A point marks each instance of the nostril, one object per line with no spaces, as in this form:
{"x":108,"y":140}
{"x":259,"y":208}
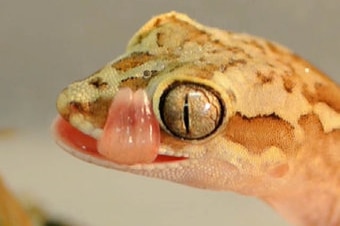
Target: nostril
{"x":76,"y":107}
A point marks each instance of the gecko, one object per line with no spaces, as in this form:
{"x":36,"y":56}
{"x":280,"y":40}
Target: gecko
{"x":212,"y":109}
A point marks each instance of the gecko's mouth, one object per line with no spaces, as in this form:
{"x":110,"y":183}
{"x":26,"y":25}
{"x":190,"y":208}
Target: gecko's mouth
{"x":85,"y":147}
{"x":130,"y":136}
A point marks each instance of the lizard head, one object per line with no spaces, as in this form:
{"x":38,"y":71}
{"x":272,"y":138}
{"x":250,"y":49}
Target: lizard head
{"x":190,"y":104}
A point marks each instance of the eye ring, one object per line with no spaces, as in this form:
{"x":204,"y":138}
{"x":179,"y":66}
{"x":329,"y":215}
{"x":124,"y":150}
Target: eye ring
{"x":191,"y":111}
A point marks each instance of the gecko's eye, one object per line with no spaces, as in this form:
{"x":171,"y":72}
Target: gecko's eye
{"x":190,"y":111}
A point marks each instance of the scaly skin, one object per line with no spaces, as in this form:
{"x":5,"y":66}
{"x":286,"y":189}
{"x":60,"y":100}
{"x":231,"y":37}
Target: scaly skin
{"x":273,"y":133}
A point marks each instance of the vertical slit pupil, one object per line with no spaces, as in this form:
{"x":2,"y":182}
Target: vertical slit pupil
{"x":186,"y":114}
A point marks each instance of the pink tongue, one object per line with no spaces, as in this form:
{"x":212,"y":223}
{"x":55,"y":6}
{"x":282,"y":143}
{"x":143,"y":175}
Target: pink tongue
{"x":131,"y":133}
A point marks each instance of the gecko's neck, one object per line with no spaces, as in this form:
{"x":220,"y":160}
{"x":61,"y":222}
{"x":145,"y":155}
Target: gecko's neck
{"x":308,"y":206}
{"x":312,"y":196}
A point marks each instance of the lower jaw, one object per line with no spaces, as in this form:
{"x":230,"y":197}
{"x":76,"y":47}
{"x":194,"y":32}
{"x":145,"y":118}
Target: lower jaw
{"x":80,"y":144}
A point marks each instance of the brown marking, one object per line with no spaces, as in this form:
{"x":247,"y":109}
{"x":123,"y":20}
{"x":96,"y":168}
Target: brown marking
{"x":217,"y":42}
{"x":208,"y":71}
{"x":236,"y":62}
{"x":171,"y":28}
{"x":264,"y":79}
{"x":134,"y":83}
{"x":329,"y":94}
{"x":219,"y":46}
{"x":134,"y":60}
{"x":292,"y":70}
{"x":98,"y":83}
{"x":223,"y":68}
{"x":288,"y":83}
{"x":139,"y":39}
{"x":326,"y":93}
{"x":205,"y":70}
{"x":97,"y":113}
{"x":174,"y":33}
{"x":193,"y":34}
{"x":261,"y":132}
{"x":158,"y":21}
{"x":231,"y":95}
{"x":255,"y":44}
{"x":310,"y":97}
{"x":160,"y":39}
{"x":239,"y":50}
{"x":258,"y":46}
{"x":235,"y":49}
{"x":269,"y":65}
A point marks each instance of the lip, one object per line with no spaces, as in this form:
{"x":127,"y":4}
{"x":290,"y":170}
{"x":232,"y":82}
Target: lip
{"x":84,"y":147}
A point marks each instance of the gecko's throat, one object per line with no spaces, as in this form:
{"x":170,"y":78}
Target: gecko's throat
{"x":131,"y":134}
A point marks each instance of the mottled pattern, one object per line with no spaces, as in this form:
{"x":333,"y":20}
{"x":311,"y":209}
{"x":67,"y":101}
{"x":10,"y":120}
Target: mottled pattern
{"x":279,"y":136}
{"x":134,"y":60}
{"x":274,"y":132}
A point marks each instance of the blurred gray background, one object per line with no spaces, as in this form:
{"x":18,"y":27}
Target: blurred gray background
{"x":45,"y":45}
